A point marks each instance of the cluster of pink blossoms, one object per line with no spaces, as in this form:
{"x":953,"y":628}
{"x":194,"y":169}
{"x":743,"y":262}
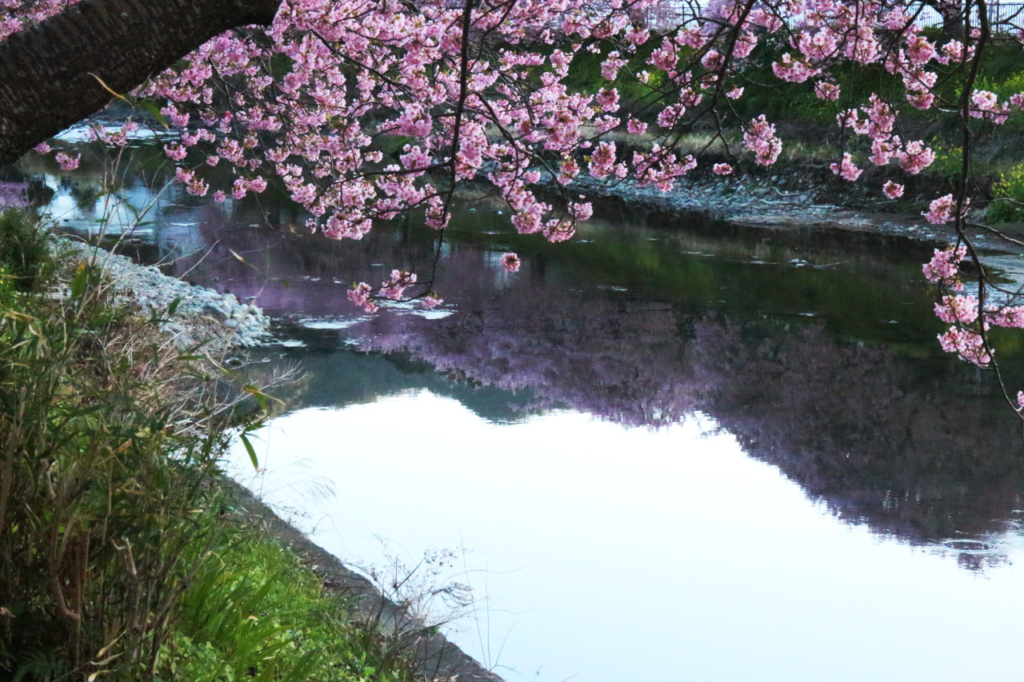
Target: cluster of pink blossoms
{"x":846,"y":168}
{"x":501,"y":108}
{"x":957,"y":309}
{"x":759,"y":137}
{"x":362,"y":295}
{"x":68,"y":162}
{"x":892,"y":190}
{"x":943,"y":210}
{"x":395,"y":285}
{"x":966,"y":343}
{"x":915,"y":157}
{"x":944,"y":267}
{"x":826,"y":91}
{"x":968,"y":323}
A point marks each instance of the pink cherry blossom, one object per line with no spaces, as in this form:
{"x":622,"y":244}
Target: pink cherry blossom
{"x":915,"y":157}
{"x":610,"y":66}
{"x":957,"y":309}
{"x":635,"y":127}
{"x":826,"y":91}
{"x":510,"y":262}
{"x":846,"y":168}
{"x":395,"y":285}
{"x":175,"y":151}
{"x":602,"y":162}
{"x":793,"y":70}
{"x":944,"y":265}
{"x":431,"y":300}
{"x":759,"y":137}
{"x":966,"y":343}
{"x":307,"y":102}
{"x":360,"y":295}
{"x":68,"y":162}
{"x":892,"y":190}
{"x":943,"y":210}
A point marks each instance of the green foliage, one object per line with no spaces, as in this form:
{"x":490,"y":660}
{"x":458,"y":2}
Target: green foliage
{"x":117,"y":559}
{"x":948,"y":162}
{"x":1009,"y":196}
{"x":107,"y":444}
{"x":1011,"y":85}
{"x":255,"y":612}
{"x":23,"y":249}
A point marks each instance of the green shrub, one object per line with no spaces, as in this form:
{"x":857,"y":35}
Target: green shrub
{"x":948,"y":162}
{"x":117,"y":561}
{"x":108,"y":440}
{"x":254,"y":612}
{"x":1008,"y":190}
{"x":23,"y":248}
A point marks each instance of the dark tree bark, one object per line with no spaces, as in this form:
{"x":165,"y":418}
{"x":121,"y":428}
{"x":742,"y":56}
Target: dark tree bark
{"x":952,"y":13}
{"x":47,"y":73}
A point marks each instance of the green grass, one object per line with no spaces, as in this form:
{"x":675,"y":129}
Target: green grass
{"x":116,"y":559}
{"x":23,"y":249}
{"x":254,"y":612}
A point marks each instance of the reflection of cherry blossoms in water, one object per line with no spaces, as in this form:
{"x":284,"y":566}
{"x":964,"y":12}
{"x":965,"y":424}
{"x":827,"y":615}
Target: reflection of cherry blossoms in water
{"x":877,"y":437}
{"x":617,"y":359}
{"x":14,"y":195}
{"x":911,"y":445}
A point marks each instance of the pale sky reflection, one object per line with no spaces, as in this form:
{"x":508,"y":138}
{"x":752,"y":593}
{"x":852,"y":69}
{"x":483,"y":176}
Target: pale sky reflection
{"x":617,"y":554}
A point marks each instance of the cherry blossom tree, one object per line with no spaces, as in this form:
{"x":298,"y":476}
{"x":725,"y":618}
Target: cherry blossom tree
{"x":365,"y":109}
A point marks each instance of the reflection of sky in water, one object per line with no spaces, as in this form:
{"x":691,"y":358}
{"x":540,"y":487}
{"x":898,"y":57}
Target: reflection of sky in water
{"x":136,"y":210}
{"x":617,"y":553}
{"x":83,"y":133}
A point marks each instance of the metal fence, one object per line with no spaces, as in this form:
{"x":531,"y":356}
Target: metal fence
{"x":1007,"y":14}
{"x":1004,"y":17}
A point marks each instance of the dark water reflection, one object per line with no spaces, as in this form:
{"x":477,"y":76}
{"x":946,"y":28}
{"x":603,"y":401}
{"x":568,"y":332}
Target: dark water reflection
{"x":815,"y":349}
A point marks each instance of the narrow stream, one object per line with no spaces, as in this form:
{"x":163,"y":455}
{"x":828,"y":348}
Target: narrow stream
{"x":665,"y":450}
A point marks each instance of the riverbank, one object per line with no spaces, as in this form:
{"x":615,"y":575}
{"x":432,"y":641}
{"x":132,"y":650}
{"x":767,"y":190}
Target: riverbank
{"x":190,"y":316}
{"x":124,"y":552}
{"x":750,"y":202}
{"x":435,"y":658}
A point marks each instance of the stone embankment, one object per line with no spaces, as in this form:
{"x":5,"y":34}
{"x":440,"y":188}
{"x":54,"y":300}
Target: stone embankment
{"x":201,"y":317}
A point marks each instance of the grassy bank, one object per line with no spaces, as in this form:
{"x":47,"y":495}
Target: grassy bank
{"x":812,"y":140}
{"x":120,"y":555}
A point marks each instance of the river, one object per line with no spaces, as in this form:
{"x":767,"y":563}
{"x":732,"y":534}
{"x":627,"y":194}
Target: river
{"x":669,"y":449}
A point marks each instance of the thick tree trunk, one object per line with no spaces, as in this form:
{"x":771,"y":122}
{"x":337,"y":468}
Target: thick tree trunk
{"x":47,"y":73}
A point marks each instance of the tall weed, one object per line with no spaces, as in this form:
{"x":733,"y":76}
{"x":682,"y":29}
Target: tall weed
{"x":108,"y":441}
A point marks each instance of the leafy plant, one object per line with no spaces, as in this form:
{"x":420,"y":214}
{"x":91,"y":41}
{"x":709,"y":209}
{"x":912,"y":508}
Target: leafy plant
{"x":254,"y":612}
{"x":23,"y":248}
{"x":1009,"y":197}
{"x":947,"y":164}
{"x":108,"y":441}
